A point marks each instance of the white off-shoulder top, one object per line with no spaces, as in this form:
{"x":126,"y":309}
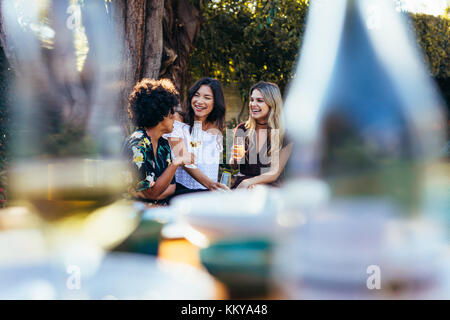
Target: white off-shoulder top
{"x":208,"y":155}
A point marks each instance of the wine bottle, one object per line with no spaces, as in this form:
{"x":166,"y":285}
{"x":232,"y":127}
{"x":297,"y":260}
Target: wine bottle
{"x":366,"y":120}
{"x":363,"y":112}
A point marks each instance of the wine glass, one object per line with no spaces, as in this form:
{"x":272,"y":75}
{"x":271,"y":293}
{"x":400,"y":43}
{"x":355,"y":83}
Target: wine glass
{"x":239,"y":153}
{"x":66,"y":147}
{"x":195,"y":142}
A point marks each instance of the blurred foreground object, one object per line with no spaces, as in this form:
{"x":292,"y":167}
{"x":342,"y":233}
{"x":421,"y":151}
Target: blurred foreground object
{"x":362,"y":110}
{"x":366,"y":120}
{"x":235,"y":238}
{"x":120,"y":276}
{"x":66,"y":144}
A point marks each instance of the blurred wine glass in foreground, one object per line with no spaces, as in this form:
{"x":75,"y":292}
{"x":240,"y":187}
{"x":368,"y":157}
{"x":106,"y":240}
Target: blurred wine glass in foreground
{"x":66,"y":143}
{"x":366,"y":120}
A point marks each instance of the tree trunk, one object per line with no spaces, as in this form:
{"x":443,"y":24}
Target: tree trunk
{"x":158,"y":38}
{"x":4,"y":43}
{"x":139,"y":24}
{"x":181,"y":29}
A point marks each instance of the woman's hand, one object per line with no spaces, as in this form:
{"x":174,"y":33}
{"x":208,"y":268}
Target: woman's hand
{"x":217,"y":186}
{"x":186,"y":159}
{"x":245,"y":184}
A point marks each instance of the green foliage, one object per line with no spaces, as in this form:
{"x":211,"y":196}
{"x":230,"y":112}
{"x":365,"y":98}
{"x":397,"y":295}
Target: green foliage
{"x":248,"y":41}
{"x":433,"y":36}
{"x":245,"y":42}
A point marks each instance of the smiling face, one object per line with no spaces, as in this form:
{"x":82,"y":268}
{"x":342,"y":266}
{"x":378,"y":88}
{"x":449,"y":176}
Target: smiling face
{"x":202,"y":102}
{"x":259,"y":110}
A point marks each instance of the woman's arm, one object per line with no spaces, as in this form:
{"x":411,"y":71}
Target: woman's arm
{"x":168,"y":192}
{"x":161,"y":184}
{"x":162,"y":188}
{"x":179,"y":147}
{"x":275,"y":169}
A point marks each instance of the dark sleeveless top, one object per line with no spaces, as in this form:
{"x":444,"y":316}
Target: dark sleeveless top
{"x":256,"y":163}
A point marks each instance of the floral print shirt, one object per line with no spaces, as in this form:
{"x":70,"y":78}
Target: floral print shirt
{"x":145,"y":167}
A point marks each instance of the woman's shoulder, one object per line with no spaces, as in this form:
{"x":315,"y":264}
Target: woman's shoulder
{"x":180,"y":124}
{"x":212,"y":129}
{"x":138,"y":139}
{"x":137,"y":135}
{"x":178,"y":116}
{"x":241,"y":126}
{"x":240,"y":130}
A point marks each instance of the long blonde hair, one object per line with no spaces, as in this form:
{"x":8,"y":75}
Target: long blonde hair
{"x":272,"y":97}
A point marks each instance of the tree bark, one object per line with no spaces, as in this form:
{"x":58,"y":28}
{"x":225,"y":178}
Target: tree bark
{"x":4,"y":43}
{"x":139,"y":26}
{"x":158,"y":38}
{"x":181,"y":29}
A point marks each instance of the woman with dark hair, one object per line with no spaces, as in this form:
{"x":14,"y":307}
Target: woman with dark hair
{"x":151,"y":107}
{"x":206,"y":104}
{"x":212,"y":111}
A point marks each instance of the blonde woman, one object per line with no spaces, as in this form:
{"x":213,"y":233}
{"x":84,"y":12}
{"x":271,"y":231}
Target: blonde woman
{"x":267,"y":148}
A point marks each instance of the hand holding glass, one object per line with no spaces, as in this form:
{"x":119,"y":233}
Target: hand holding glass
{"x":195,"y":141}
{"x":239,"y":152}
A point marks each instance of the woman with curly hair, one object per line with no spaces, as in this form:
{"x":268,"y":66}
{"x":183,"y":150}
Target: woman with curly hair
{"x":267,"y":149}
{"x":205,"y":103}
{"x":151,"y":107}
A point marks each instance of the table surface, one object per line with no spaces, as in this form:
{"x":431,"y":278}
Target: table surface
{"x":182,"y":251}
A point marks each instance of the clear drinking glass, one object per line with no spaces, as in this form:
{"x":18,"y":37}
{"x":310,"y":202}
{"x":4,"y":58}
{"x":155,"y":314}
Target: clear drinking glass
{"x":67,"y":167}
{"x":195,"y":142}
{"x":239,"y":153}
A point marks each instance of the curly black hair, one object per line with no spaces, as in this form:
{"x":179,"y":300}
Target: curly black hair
{"x":151,"y":100}
{"x":217,"y":115}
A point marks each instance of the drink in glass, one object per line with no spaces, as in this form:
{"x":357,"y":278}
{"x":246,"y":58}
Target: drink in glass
{"x":195,"y":141}
{"x":239,"y":152}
